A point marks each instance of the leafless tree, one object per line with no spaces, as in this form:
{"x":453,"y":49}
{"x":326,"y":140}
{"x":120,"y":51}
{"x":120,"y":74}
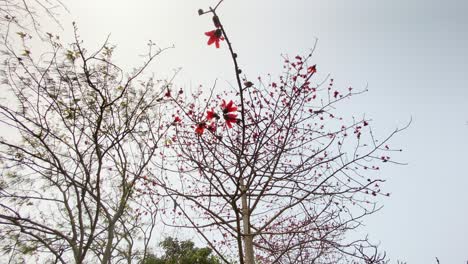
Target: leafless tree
{"x":78,"y":137}
{"x":272,"y":171}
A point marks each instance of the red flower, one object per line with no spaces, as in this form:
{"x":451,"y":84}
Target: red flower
{"x":200,"y":128}
{"x":312,"y":69}
{"x":177,"y":119}
{"x":215,"y":37}
{"x":227,"y":112}
{"x":230,"y":118}
{"x":227,"y":108}
{"x":210,"y":114}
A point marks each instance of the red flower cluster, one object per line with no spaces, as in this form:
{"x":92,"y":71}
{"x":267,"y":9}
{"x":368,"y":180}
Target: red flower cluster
{"x":229,"y":116}
{"x":215,"y":37}
{"x":200,"y":129}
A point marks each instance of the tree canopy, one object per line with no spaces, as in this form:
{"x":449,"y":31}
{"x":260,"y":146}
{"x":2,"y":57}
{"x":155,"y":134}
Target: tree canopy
{"x":267,"y":171}
{"x":182,"y":252}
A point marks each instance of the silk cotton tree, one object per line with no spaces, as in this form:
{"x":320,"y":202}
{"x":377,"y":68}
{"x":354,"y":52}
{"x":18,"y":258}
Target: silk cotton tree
{"x":271,"y":172}
{"x":79,"y":134}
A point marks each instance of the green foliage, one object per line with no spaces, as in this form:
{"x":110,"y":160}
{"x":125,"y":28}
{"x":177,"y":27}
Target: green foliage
{"x":182,"y":252}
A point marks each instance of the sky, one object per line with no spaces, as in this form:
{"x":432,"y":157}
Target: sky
{"x":411,"y":54}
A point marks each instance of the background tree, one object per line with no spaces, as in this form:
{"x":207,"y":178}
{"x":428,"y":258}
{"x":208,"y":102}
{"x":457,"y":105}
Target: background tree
{"x":25,"y":15}
{"x":84,"y":133}
{"x":182,"y":252}
{"x":271,"y":172}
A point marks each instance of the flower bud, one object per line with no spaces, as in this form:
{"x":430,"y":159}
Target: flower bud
{"x":216,"y":21}
{"x":218,"y":33}
{"x":248,"y":84}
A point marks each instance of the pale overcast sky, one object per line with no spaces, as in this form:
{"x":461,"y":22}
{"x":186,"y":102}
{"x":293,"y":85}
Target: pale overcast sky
{"x":412,"y":54}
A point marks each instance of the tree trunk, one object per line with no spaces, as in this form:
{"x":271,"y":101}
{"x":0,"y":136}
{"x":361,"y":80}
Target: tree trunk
{"x":107,"y":252}
{"x":248,"y":238}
